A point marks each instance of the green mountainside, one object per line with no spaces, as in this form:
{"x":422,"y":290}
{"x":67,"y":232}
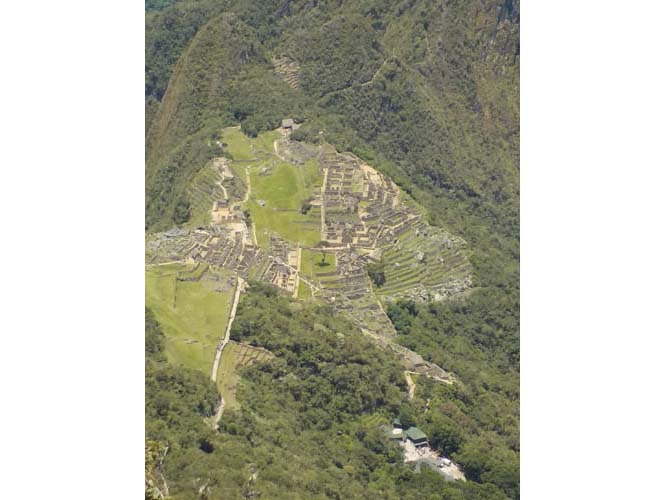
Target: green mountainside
{"x":307,"y":284}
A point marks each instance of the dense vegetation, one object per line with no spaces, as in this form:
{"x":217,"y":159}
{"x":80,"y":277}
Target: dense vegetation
{"x":428,"y":93}
{"x":476,"y":420}
{"x":176,"y":398}
{"x":309,"y":423}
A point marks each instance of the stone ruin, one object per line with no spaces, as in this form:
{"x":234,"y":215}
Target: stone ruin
{"x":288,"y":70}
{"x":361,"y":206}
{"x":284,"y":263}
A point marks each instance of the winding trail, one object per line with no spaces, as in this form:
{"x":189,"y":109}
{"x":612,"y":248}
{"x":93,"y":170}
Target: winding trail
{"x":359,"y":84}
{"x":224,"y":190}
{"x":215,"y":419}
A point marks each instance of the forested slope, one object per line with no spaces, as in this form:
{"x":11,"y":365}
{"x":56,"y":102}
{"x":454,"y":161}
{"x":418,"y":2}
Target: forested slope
{"x":308,"y":427}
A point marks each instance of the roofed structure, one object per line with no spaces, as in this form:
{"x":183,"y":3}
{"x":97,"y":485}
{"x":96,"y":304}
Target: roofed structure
{"x":287,"y":123}
{"x":417,"y":437}
{"x":394,"y":433}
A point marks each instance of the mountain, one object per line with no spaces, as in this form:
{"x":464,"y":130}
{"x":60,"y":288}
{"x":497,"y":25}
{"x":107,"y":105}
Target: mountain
{"x":421,"y":95}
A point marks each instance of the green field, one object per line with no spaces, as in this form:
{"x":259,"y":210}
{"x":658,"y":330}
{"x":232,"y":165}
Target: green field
{"x":245,"y":149}
{"x":305,"y":291}
{"x":187,"y":312}
{"x":228,"y":377}
{"x":283,"y":192}
{"x":281,"y":186}
{"x":311,"y":263}
{"x":238,"y":145}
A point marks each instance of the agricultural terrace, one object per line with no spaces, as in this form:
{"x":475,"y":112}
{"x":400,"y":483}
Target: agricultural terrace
{"x":235,"y":357}
{"x":204,"y":190}
{"x":424,"y":262}
{"x":192,"y":313}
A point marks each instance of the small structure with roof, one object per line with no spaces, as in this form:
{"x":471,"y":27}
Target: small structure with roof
{"x":416,"y":437}
{"x":287,"y":124}
{"x":395,"y":431}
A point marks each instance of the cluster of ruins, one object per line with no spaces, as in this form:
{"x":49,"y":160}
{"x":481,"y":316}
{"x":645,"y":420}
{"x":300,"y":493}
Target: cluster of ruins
{"x":362,"y":220}
{"x":361,"y":207}
{"x":284,"y":264}
{"x":214,"y":245}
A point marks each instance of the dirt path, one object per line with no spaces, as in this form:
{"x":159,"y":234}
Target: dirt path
{"x":224,"y":190}
{"x":298,"y":267}
{"x":322,"y":207}
{"x":275,"y":150}
{"x":223,"y":342}
{"x":359,"y":84}
{"x":215,"y":419}
{"x":254,"y":234}
{"x":375,"y":75}
{"x":411,"y":385}
{"x":166,"y":263}
{"x":221,"y":346}
{"x":247,"y":191}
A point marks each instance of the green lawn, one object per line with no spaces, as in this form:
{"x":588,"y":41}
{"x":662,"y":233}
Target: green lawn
{"x":311,"y":263}
{"x":305,"y":291}
{"x":286,"y":188}
{"x":187,"y":311}
{"x":263,"y":143}
{"x":243,"y":148}
{"x":238,"y":145}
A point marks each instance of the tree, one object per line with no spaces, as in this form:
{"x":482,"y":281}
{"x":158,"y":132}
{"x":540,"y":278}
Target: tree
{"x":443,"y":434}
{"x":305,"y":206}
{"x":406,"y":415}
{"x":376,"y":273}
{"x":322,"y":245}
{"x":182,"y":211}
